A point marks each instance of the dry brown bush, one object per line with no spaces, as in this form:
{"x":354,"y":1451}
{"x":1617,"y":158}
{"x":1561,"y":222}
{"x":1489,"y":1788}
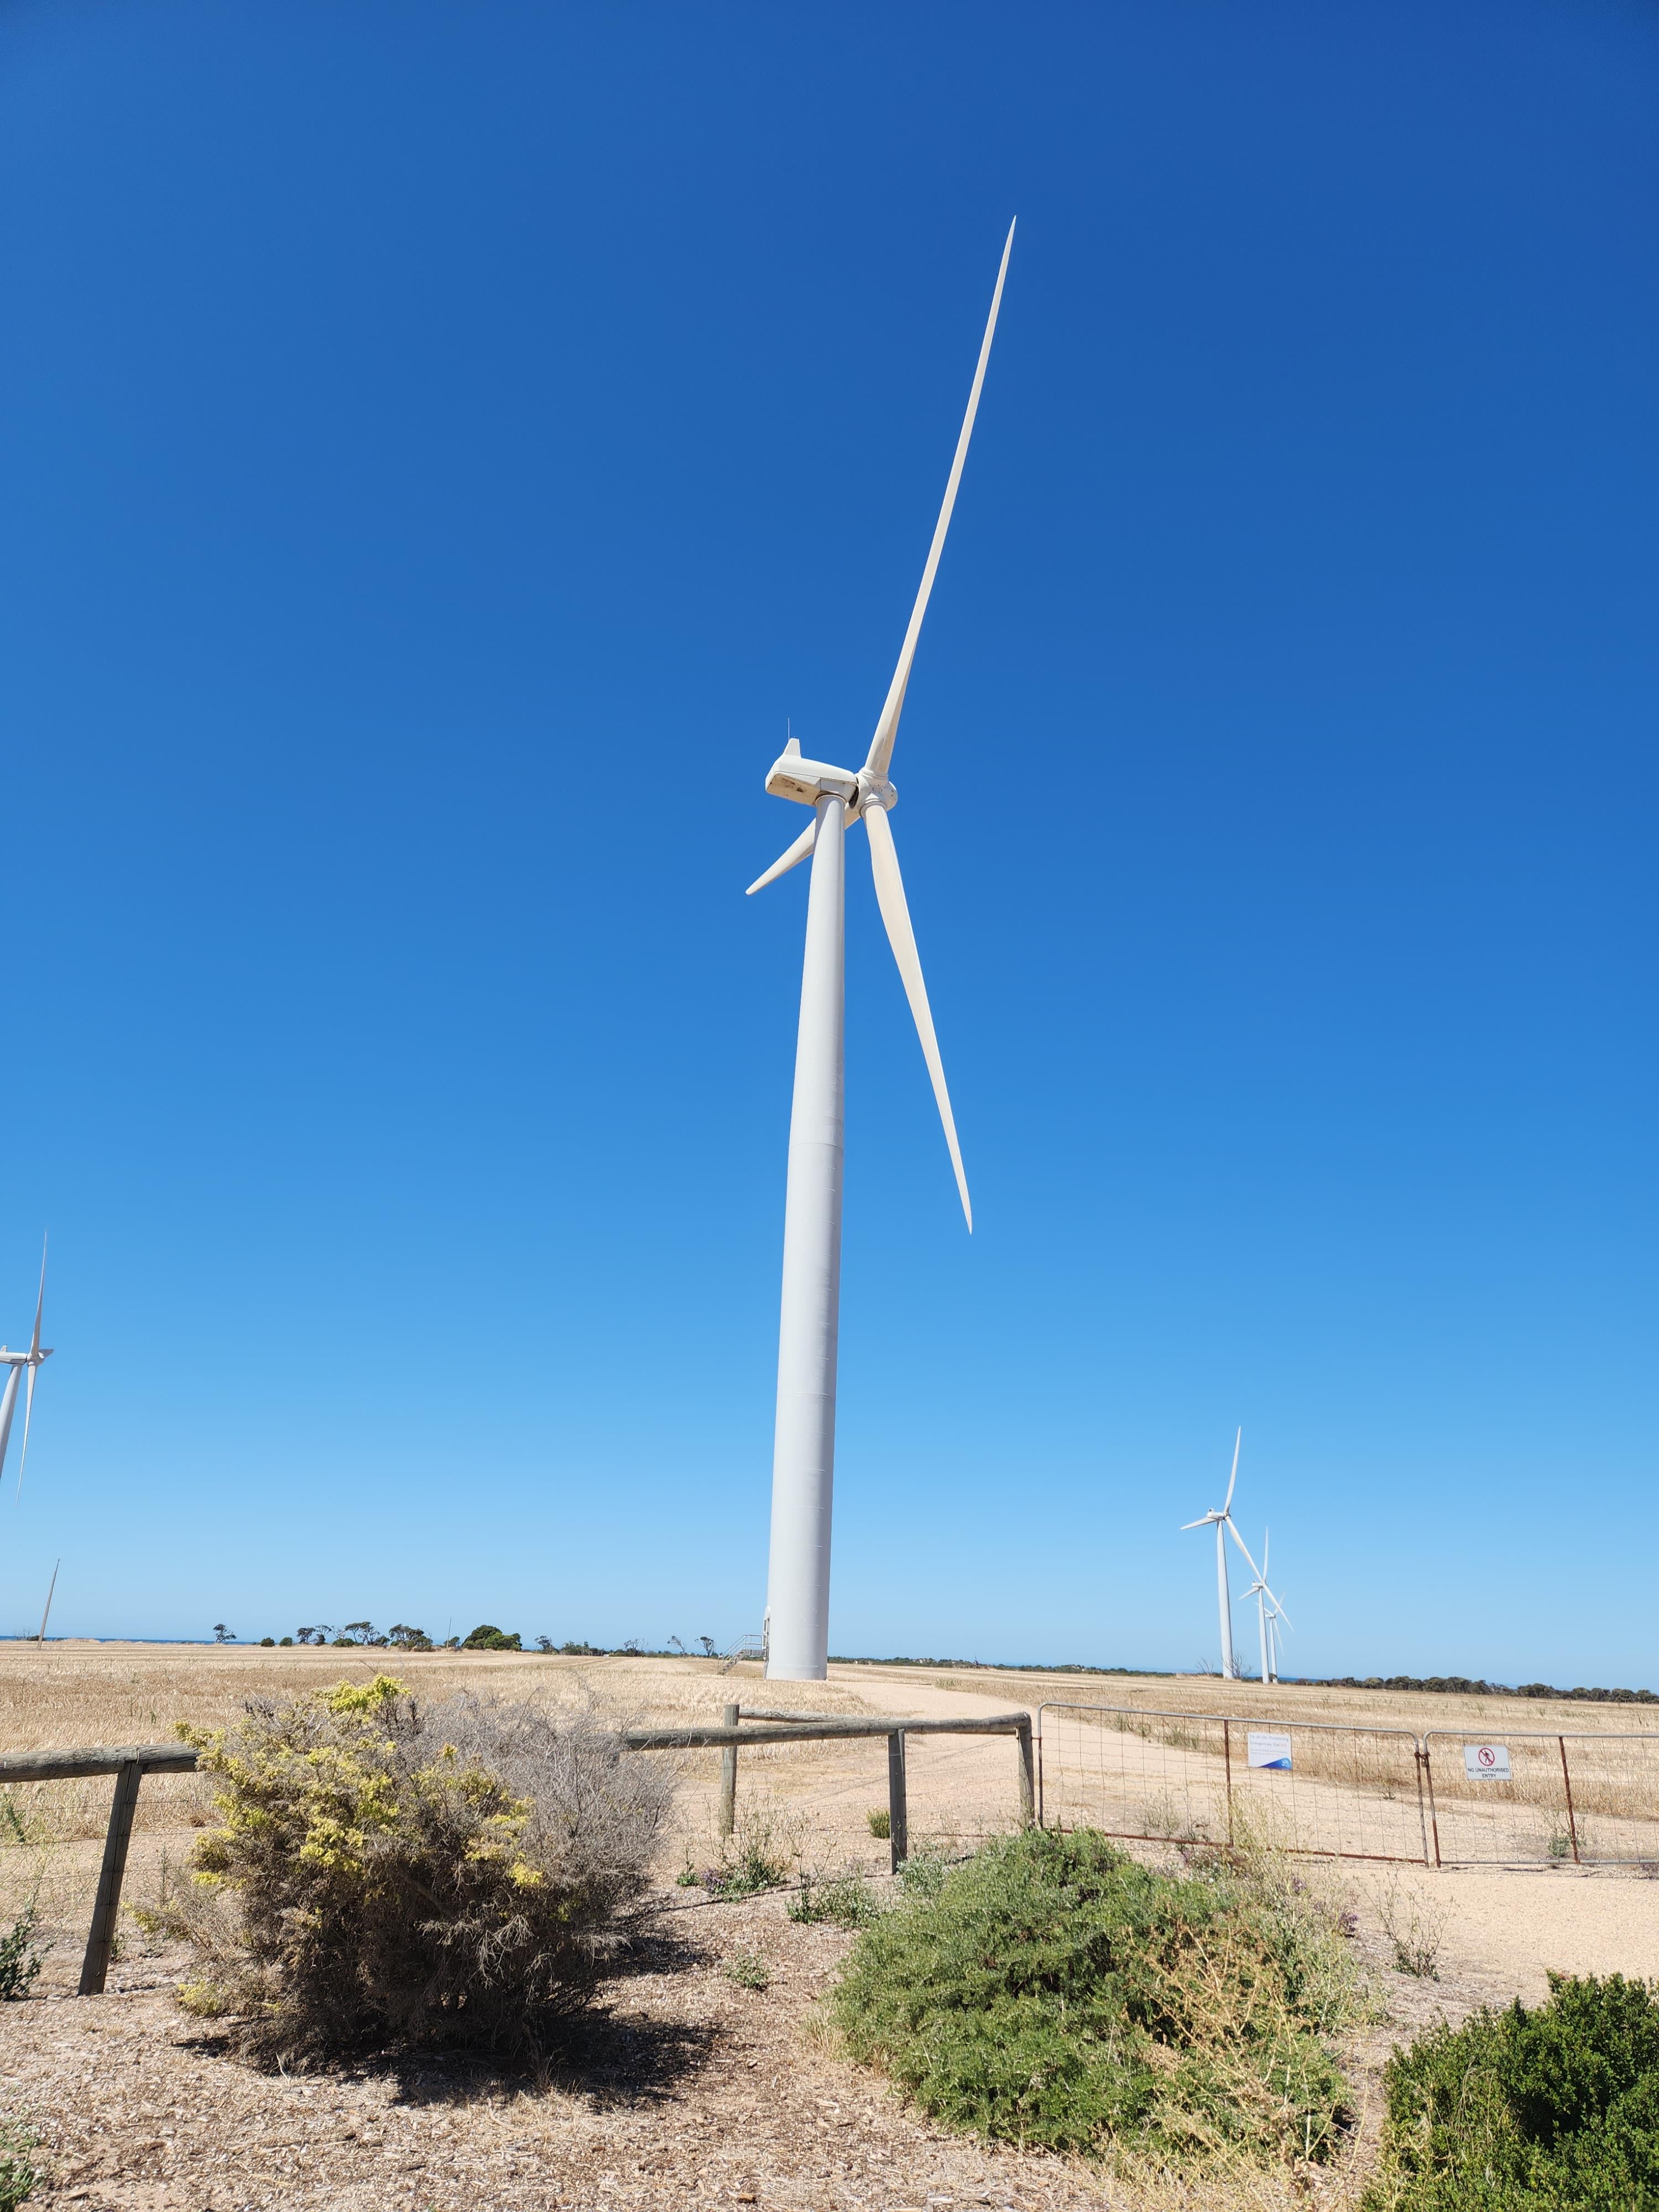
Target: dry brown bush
{"x":393,"y":1870}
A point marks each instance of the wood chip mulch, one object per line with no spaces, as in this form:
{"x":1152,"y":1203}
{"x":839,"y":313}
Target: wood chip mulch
{"x":687,"y":2089}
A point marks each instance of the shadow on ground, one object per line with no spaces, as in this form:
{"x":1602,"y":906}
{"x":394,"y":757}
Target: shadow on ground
{"x":615,"y":2058}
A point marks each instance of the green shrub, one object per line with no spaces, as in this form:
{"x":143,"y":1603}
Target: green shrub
{"x":20,"y":1958}
{"x":388,"y":1869}
{"x":844,"y":1900}
{"x":1527,"y":2110}
{"x":1054,"y":1992}
{"x":757,"y":1856}
{"x":880,"y":1823}
{"x":20,"y":2177}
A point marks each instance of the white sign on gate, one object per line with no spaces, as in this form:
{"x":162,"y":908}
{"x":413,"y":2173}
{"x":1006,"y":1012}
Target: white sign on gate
{"x":1268,"y":1748}
{"x":1486,"y":1762}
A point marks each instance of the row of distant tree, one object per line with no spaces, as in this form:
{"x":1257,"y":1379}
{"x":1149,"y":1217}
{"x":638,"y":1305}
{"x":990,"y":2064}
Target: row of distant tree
{"x":360,"y":1635}
{"x":1465,"y":1686}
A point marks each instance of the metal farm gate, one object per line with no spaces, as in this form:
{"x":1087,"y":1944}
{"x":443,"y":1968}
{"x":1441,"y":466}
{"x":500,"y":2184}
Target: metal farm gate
{"x":1307,"y":1786}
{"x":1323,"y":1789}
{"x":1584,"y":1799}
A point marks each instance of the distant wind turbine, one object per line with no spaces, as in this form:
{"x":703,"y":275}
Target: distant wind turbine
{"x":23,"y":1363}
{"x":1268,"y":1611}
{"x":1222,"y":1520}
{"x":804,"y":1446}
{"x":1276,"y":1612}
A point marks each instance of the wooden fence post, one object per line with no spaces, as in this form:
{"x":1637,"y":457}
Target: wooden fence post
{"x":101,"y":1940}
{"x":729,"y":1778}
{"x":898,"y":1818}
{"x":1027,"y":1775}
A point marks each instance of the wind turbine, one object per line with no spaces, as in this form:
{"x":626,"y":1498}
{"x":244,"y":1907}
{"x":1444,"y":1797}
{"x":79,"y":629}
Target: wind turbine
{"x":1276,"y":1612}
{"x":22,"y":1363}
{"x":1223,"y":1521}
{"x":804,"y":1445}
{"x":1268,"y":1611}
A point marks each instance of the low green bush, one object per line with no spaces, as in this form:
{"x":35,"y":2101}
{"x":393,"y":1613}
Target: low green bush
{"x":757,"y":1856}
{"x":1054,"y":1992}
{"x":1530,"y":2110}
{"x":20,"y":2177}
{"x":20,"y":1957}
{"x":843,"y":1899}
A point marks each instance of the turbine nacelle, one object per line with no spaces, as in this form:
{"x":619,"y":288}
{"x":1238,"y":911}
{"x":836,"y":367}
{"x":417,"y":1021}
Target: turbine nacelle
{"x":793,"y":776}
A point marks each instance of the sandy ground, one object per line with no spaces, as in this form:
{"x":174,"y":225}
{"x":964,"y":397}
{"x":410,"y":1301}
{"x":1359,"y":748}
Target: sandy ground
{"x":691,"y":2089}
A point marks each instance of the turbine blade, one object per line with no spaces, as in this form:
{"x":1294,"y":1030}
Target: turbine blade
{"x":797,"y":853}
{"x":881,"y":746}
{"x":890,"y":896}
{"x":8,"y":1408}
{"x":34,"y":1346}
{"x":28,"y":1415}
{"x":1233,"y":1477}
{"x":1203,"y":1521}
{"x":1228,"y":1524}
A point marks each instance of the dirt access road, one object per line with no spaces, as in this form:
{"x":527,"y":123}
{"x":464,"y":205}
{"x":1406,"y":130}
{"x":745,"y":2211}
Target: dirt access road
{"x":695,"y":2089}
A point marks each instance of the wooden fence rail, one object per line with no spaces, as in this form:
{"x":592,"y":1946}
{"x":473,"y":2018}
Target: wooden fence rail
{"x":752,"y":1728}
{"x":129,"y":1762}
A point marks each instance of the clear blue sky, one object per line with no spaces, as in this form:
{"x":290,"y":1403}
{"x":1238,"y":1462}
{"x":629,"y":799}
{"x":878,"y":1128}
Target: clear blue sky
{"x":440,"y":444}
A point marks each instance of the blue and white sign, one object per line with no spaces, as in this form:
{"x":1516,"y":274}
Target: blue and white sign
{"x":1269,"y":1748}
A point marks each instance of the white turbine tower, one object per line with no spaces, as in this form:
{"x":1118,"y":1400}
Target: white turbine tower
{"x":804,"y":1446}
{"x":1223,"y":1521}
{"x":22,"y":1363}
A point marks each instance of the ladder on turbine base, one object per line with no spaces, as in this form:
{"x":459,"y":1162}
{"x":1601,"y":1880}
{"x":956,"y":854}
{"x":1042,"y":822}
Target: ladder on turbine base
{"x":746,"y":1646}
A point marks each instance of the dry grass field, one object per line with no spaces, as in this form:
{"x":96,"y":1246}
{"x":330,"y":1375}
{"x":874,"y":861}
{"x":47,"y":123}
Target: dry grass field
{"x":693,"y":2088}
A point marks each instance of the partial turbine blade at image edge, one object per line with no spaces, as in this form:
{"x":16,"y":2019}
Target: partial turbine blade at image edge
{"x":890,"y":896}
{"x":40,"y":1302}
{"x":881,"y":746}
{"x":28,"y":1415}
{"x":797,"y":853}
{"x":8,"y":1408}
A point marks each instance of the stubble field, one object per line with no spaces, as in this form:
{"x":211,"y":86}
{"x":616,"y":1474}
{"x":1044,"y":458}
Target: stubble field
{"x":692,"y":2089}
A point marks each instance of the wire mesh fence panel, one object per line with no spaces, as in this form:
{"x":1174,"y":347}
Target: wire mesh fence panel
{"x":1531,"y":1798}
{"x":1154,"y":1776}
{"x":1309,"y":1786}
{"x":825,"y":1806}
